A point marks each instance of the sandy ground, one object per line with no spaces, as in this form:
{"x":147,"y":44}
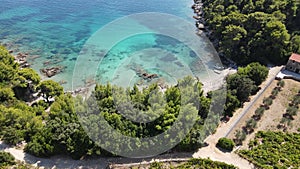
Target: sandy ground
{"x":212,"y":152}
{"x":217,"y":81}
{"x":279,"y":107}
{"x":64,"y":162}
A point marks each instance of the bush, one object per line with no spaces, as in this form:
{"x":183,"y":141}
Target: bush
{"x":275,"y":92}
{"x":259,"y":112}
{"x":6,"y":159}
{"x":292,"y":111}
{"x":156,"y":165}
{"x":268,"y":102}
{"x":226,"y":144}
{"x":296,"y":100}
{"x":281,"y":83}
{"x":251,"y":125}
{"x":240,"y":136}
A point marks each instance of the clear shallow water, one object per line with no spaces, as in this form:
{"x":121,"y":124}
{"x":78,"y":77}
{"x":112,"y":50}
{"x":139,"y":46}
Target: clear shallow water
{"x":55,"y":32}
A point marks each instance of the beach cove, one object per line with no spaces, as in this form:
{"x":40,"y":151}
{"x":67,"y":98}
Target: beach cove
{"x":53,"y":35}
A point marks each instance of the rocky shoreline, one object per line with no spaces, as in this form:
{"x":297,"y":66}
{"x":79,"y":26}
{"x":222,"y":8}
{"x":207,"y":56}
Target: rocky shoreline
{"x":21,"y":59}
{"x":200,"y":22}
{"x":202,"y":28}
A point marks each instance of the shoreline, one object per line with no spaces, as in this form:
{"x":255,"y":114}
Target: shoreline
{"x":56,"y":160}
{"x":208,"y":84}
{"x":48,"y":72}
{"x":201,"y":26}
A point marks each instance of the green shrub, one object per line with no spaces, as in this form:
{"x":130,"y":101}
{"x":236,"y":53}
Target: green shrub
{"x":240,"y":136}
{"x":226,"y":144}
{"x":281,"y":83}
{"x":156,"y":165}
{"x":296,"y":100}
{"x":275,"y":92}
{"x":260,"y":111}
{"x":268,"y":102}
{"x":292,"y":110}
{"x":251,"y":123}
{"x":6,"y":159}
{"x":204,"y":163}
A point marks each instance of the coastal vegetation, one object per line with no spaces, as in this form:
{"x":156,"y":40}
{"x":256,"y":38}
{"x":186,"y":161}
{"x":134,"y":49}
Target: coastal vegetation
{"x":58,"y":130}
{"x":6,"y":159}
{"x":274,"y":150}
{"x":256,"y":30}
{"x":243,"y":84}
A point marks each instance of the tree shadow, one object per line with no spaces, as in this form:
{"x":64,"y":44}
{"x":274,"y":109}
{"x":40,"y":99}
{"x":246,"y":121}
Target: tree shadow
{"x":224,"y":150}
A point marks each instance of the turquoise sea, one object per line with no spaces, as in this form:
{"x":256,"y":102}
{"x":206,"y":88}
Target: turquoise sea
{"x":66,"y":33}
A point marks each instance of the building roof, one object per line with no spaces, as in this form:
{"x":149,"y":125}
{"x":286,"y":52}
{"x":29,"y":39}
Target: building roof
{"x":295,"y":57}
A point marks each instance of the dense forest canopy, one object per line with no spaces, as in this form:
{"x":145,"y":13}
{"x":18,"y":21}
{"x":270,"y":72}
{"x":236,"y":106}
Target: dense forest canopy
{"x":254,"y":30}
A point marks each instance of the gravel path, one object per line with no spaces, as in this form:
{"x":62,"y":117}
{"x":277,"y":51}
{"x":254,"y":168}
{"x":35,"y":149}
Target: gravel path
{"x":271,"y":77}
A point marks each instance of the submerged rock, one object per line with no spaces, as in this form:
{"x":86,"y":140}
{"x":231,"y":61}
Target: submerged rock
{"x":49,"y":72}
{"x":168,"y":58}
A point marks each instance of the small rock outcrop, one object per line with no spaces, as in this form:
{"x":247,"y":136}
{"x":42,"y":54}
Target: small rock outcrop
{"x":49,"y":72}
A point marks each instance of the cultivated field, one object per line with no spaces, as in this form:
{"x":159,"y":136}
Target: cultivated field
{"x":273,"y":116}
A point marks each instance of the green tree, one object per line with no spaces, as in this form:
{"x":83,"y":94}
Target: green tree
{"x":232,"y":41}
{"x":278,"y":38}
{"x":255,"y":71}
{"x":240,"y":136}
{"x":241,"y":85}
{"x":27,"y":76}
{"x":6,"y":94}
{"x":295,"y":43}
{"x":7,"y":73}
{"x":8,"y":66}
{"x":226,"y":144}
{"x":251,"y":125}
{"x":232,"y":103}
{"x":50,"y":89}
{"x":18,"y":123}
{"x":6,"y":159}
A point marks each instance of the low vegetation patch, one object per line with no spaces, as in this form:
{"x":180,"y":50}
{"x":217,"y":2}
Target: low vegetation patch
{"x":274,"y":150}
{"x":195,"y":163}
